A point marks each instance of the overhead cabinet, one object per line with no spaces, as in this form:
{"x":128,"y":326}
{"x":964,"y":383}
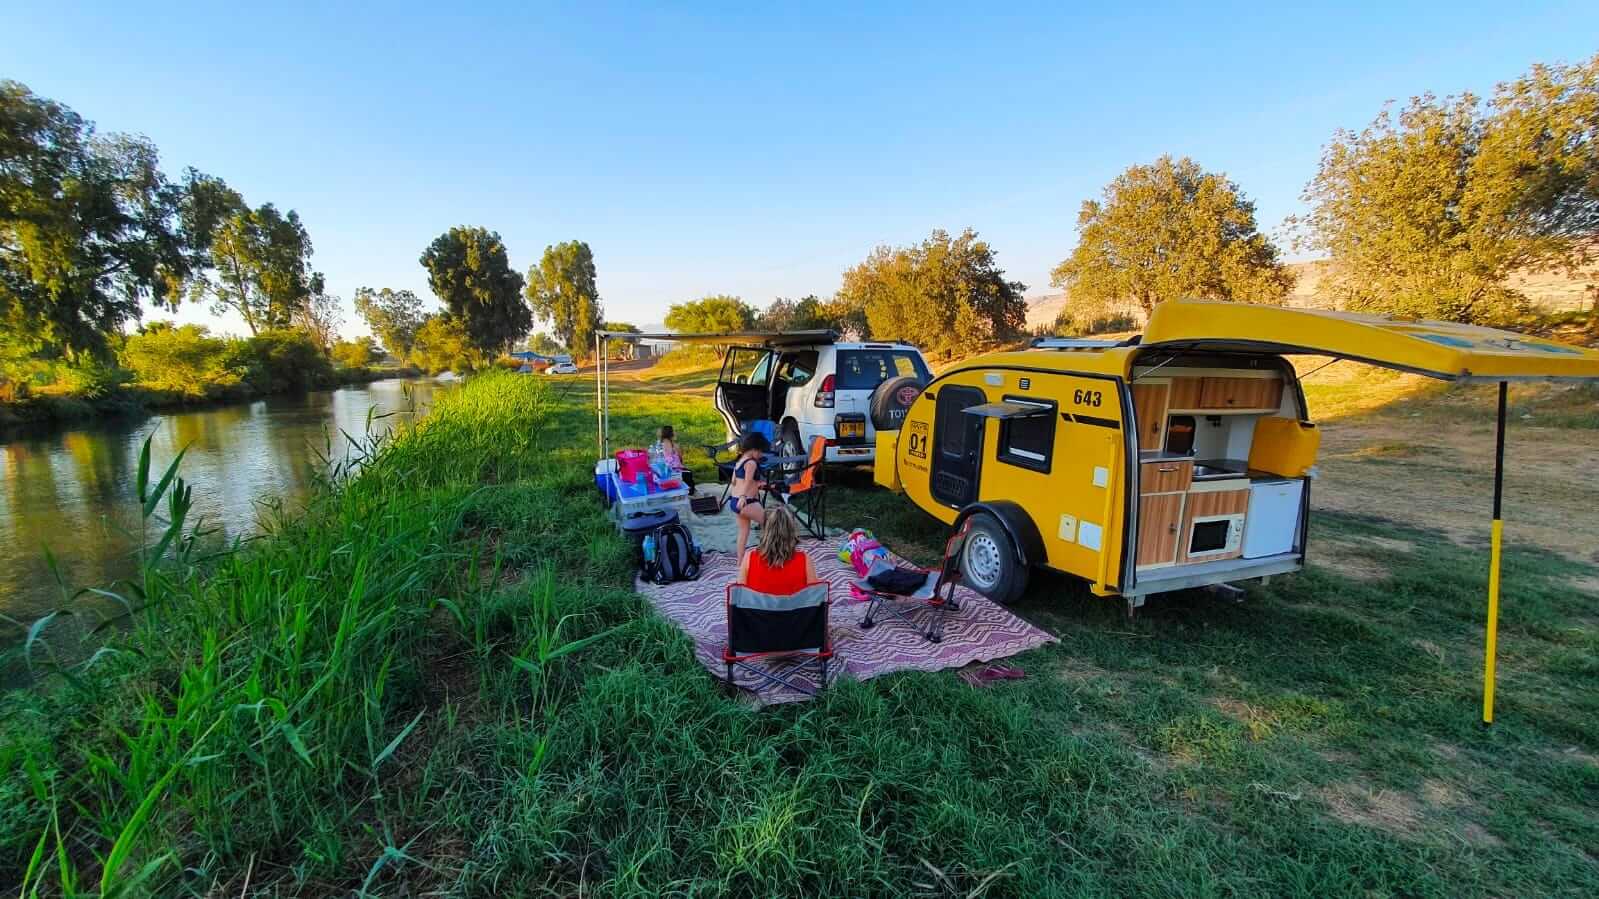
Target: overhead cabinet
{"x":1240,"y":393}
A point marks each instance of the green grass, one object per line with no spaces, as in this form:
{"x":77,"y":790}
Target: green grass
{"x":394,"y":695}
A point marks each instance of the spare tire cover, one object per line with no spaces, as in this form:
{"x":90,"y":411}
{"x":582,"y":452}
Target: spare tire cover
{"x":892,"y":399}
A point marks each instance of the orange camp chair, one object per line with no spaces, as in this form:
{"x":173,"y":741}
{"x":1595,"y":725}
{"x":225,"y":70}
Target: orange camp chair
{"x":807,"y":493}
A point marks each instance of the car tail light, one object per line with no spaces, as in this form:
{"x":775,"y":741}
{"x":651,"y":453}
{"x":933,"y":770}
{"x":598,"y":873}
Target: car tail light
{"x":824,"y":394}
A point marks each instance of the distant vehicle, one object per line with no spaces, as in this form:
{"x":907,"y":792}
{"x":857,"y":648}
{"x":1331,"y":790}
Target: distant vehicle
{"x":562,"y":368}
{"x":811,"y":385}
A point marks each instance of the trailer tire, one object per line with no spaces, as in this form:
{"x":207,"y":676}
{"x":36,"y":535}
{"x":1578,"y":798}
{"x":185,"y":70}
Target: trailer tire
{"x":989,"y":561}
{"x":891,"y":400}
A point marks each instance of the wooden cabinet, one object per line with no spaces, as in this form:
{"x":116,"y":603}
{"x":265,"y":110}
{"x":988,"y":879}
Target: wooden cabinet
{"x":1208,"y":504}
{"x":1185,"y":393}
{"x":1149,"y":408}
{"x":1159,"y":520}
{"x":1240,"y":393}
{"x":1165,"y":477}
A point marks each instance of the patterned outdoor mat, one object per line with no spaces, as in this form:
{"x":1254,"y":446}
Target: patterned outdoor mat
{"x":979,"y":632}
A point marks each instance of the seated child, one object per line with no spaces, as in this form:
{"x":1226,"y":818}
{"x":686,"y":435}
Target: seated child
{"x":674,"y":457}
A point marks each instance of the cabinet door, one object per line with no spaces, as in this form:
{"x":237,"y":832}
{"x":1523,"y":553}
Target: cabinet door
{"x":1149,"y":407}
{"x":1172,"y":476}
{"x":1185,"y":393}
{"x":1240,"y":393}
{"x":1158,"y":524}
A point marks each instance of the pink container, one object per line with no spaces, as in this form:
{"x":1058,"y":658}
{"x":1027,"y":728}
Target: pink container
{"x":632,"y":464}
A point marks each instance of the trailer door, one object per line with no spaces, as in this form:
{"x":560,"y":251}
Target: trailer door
{"x":957,"y":446}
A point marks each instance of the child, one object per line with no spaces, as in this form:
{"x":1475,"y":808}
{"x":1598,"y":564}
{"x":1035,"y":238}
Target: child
{"x":674,"y":458}
{"x":744,"y":494}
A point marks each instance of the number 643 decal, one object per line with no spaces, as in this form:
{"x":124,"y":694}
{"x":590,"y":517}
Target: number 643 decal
{"x":1087,"y":397}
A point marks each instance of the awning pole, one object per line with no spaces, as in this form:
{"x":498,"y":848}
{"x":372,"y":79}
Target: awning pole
{"x":599,"y":400}
{"x":1493,"y":563}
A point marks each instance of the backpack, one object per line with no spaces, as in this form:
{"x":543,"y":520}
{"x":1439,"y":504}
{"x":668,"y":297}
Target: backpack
{"x":671,"y":555}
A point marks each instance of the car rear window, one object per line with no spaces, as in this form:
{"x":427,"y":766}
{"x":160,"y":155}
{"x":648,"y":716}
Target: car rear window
{"x":865,"y":369}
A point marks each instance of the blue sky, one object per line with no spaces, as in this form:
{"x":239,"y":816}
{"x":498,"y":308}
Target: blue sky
{"x":702,"y":149}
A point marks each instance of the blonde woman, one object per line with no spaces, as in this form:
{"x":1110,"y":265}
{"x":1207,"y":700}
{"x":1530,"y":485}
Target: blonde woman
{"x":777,"y":565}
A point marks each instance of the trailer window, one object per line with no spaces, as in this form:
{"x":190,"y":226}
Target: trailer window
{"x":1028,"y":442}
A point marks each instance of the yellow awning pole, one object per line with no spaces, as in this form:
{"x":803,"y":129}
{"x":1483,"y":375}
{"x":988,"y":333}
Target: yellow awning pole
{"x":1493,"y":564}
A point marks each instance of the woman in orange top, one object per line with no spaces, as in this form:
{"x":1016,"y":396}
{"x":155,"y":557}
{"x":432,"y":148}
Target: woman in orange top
{"x":776,"y":565}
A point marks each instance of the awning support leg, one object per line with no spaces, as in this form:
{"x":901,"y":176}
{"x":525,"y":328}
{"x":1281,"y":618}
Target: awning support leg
{"x":1493,"y":563}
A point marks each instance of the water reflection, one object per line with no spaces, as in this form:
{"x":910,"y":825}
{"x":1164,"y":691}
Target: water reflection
{"x":73,"y":491}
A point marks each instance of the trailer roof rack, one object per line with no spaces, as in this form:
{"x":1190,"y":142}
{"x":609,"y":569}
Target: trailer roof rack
{"x":1073,"y":343}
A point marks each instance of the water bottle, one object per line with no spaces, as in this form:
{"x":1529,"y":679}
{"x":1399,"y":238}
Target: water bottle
{"x":649,"y":547}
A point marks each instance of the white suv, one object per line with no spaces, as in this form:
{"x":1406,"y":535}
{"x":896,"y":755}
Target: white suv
{"x":810,"y":385}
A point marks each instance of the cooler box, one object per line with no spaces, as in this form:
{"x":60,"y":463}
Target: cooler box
{"x":638,"y":525}
{"x":1284,"y":446}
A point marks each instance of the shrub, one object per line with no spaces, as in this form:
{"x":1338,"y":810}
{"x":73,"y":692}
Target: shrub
{"x":281,"y":361}
{"x":186,"y":360}
{"x":358,"y":353}
{"x":442,"y":344}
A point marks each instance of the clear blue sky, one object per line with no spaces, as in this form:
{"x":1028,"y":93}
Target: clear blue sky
{"x":739,"y":150}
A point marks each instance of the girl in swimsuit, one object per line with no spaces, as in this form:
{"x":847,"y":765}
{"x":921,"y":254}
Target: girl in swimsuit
{"x":743,"y":497}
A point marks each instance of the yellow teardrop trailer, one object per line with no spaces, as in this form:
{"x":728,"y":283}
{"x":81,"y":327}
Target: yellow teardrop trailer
{"x":1175,"y":460}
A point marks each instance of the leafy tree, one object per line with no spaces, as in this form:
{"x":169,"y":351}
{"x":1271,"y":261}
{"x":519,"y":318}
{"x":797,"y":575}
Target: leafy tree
{"x":624,"y":327}
{"x":358,"y":353}
{"x":944,"y":294}
{"x":711,"y":315}
{"x":805,"y":314}
{"x":562,"y":291}
{"x":1428,"y":212}
{"x":1171,"y":231}
{"x":320,"y":318}
{"x":281,"y":360}
{"x":185,"y":360}
{"x":393,"y":315}
{"x":469,"y":269}
{"x":545,"y":344}
{"x":443,"y":344}
{"x":89,"y":226}
{"x":261,"y":260}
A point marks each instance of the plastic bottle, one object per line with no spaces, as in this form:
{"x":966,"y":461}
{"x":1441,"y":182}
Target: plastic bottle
{"x":649,"y":548}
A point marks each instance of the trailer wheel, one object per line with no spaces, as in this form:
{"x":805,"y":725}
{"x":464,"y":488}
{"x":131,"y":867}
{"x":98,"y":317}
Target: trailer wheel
{"x":989,"y":563}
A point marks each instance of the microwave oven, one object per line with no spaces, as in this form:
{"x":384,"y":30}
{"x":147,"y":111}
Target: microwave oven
{"x":1215,"y":535}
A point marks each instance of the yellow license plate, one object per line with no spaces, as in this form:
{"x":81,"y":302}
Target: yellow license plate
{"x":852,"y":429}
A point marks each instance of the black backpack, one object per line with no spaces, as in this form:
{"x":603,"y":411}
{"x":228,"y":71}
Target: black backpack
{"x":676,"y":556}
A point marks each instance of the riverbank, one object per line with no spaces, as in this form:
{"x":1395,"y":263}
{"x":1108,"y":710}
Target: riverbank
{"x":438,"y":680}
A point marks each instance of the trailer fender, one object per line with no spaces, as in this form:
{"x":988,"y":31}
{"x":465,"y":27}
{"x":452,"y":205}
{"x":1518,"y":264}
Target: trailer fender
{"x":1018,"y":526}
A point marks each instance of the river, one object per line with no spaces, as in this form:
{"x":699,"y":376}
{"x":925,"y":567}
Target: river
{"x":72,"y":490}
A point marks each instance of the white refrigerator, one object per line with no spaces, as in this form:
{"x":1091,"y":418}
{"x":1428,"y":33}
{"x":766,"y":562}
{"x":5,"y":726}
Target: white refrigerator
{"x":1272,"y":522}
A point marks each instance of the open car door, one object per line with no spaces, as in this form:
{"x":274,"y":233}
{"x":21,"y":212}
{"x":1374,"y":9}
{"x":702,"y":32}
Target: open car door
{"x":1452,"y":352}
{"x":743,"y":388}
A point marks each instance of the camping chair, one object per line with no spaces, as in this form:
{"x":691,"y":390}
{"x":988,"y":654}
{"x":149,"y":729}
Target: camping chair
{"x":807,"y":493}
{"x":724,"y":467}
{"x":769,"y":626}
{"x":934,"y":594}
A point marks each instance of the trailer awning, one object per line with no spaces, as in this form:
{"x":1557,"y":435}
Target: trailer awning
{"x":1008,"y":409}
{"x":731,"y":338}
{"x":1446,"y":350}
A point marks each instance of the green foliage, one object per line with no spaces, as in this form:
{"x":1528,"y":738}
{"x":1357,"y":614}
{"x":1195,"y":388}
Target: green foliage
{"x":282,"y":360}
{"x":358,"y":353}
{"x":261,"y":260}
{"x":469,"y":270}
{"x":545,"y":344}
{"x":710,"y":315}
{"x":1170,"y":231}
{"x":393,"y":315}
{"x":185,"y":360}
{"x":1429,"y":212}
{"x":562,"y":291}
{"x":1084,"y":318}
{"x":805,"y":314}
{"x":620,"y":326}
{"x":442,"y":344}
{"x":944,"y":295}
{"x":89,"y":226}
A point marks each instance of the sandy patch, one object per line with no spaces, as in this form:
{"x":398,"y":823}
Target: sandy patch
{"x":1347,"y":560}
{"x":1386,"y":810}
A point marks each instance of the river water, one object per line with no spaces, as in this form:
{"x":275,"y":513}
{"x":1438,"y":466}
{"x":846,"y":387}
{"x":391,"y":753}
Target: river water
{"x":73,"y":490}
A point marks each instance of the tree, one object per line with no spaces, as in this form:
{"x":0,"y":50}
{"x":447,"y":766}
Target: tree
{"x":710,"y":315}
{"x":945,"y":294}
{"x":443,"y":344}
{"x":1171,"y":231}
{"x":89,"y":226}
{"x":262,"y":262}
{"x":805,"y":314}
{"x":1429,"y":212}
{"x":185,"y":360}
{"x":357,"y":353}
{"x":320,"y":318}
{"x":470,"y":271}
{"x":544,"y":344}
{"x":393,"y":315}
{"x":562,"y":291}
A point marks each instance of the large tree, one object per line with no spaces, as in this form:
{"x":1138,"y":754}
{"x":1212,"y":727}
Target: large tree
{"x":1429,"y":212}
{"x":945,"y":294}
{"x":470,"y":271}
{"x":1166,"y":231}
{"x":804,"y":314}
{"x":261,"y":261}
{"x":393,"y":315}
{"x":320,"y":318}
{"x":443,"y":344}
{"x":710,"y":315}
{"x":89,"y":227}
{"x":562,"y":291}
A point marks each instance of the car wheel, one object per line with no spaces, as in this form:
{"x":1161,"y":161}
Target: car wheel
{"x":790,"y":445}
{"x":988,"y":561}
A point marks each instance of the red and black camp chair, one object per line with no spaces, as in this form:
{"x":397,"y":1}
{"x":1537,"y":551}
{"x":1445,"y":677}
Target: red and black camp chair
{"x":765,"y":626}
{"x":897,"y":592}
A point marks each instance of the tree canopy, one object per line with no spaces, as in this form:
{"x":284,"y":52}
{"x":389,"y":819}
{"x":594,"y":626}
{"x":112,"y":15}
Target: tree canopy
{"x":804,"y":314}
{"x":393,"y":315}
{"x":944,"y":294}
{"x":470,"y":271}
{"x":89,"y":226}
{"x":1171,"y":230}
{"x":1429,"y":211}
{"x":261,"y":260}
{"x":562,"y":291}
{"x":710,"y":315}
{"x":443,"y":344}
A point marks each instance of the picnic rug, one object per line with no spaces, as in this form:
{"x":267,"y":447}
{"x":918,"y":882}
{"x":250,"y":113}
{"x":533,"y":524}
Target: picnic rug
{"x":980,"y":631}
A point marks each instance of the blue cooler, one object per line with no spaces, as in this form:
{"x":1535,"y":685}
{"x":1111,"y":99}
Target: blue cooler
{"x":603,"y":480}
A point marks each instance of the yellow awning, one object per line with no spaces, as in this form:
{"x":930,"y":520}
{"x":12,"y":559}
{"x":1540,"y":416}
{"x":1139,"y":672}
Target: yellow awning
{"x":1438,"y":349}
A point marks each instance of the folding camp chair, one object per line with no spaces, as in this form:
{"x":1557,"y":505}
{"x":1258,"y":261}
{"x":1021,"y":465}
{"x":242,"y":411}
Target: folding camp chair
{"x":935,"y":594}
{"x":807,"y":493}
{"x":763,"y":626}
{"x":724,"y":467}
